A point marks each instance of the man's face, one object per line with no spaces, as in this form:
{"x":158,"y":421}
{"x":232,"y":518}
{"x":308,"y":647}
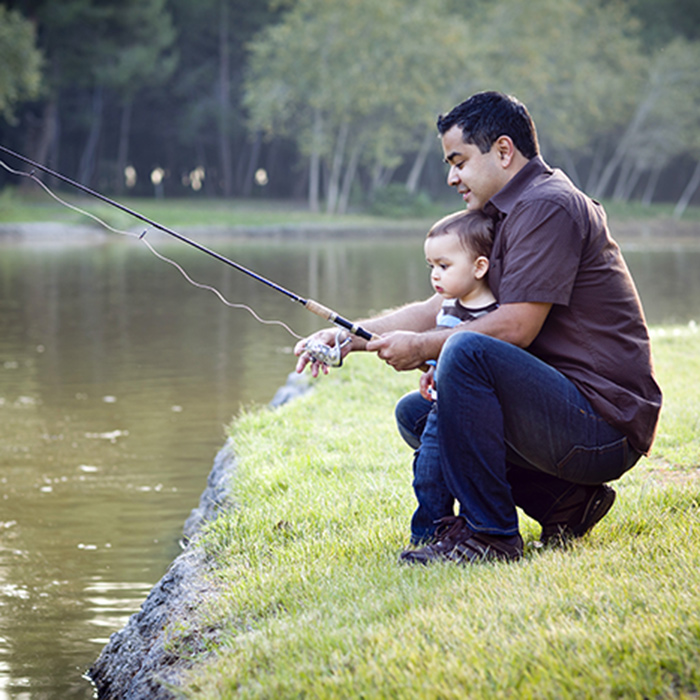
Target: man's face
{"x":476,"y":175}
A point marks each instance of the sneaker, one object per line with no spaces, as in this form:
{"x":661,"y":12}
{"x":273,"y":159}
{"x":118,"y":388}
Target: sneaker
{"x":577,"y":514}
{"x":455,"y":541}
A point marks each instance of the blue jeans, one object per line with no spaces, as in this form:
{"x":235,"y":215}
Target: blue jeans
{"x":507,"y":430}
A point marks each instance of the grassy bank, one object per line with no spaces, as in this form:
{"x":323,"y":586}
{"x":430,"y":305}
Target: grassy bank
{"x":21,"y":207}
{"x":18,"y":206}
{"x":312,"y":603}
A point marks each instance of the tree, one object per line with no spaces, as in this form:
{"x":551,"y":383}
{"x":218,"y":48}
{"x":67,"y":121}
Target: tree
{"x":207,"y":86}
{"x":141,"y":56}
{"x":663,"y":123}
{"x":20,"y":62}
{"x":95,"y":50}
{"x":577,"y":64}
{"x":352,"y":82}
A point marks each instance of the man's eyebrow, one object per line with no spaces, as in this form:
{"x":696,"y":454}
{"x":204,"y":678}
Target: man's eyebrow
{"x":452,"y":156}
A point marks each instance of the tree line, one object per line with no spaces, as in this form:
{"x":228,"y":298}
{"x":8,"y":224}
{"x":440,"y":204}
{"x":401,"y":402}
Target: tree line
{"x":335,"y":101}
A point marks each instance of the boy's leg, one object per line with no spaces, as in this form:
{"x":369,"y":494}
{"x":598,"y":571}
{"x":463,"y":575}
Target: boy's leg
{"x":435,"y":501}
{"x":411,"y":412}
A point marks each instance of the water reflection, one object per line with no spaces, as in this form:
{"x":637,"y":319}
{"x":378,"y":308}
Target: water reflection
{"x":111,"y":604}
{"x":668,"y":281}
{"x":116,"y":379}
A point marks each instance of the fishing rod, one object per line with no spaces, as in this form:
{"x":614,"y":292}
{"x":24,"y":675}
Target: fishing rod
{"x":325,"y":354}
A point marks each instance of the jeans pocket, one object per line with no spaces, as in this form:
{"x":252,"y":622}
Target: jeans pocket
{"x":597,"y":464}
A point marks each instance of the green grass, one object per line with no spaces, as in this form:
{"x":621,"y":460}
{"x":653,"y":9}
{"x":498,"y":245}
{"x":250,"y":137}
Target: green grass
{"x":312,"y":603}
{"x":19,"y":206}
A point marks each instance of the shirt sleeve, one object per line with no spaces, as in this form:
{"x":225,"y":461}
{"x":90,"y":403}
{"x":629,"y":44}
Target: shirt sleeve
{"x":541,"y":255}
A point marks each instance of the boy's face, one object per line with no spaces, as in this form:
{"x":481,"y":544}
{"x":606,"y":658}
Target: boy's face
{"x":455,"y":273}
{"x":476,"y":175}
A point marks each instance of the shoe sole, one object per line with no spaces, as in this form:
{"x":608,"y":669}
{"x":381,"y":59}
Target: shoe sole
{"x":595,"y":511}
{"x":473,"y":551}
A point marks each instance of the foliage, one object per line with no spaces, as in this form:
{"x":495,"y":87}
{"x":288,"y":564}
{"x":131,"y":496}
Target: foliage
{"x":20,"y":62}
{"x":352,"y":82}
{"x":577,"y":63}
{"x":347,"y":92}
{"x":311,"y":601}
{"x":665,"y":121}
{"x":396,"y":202}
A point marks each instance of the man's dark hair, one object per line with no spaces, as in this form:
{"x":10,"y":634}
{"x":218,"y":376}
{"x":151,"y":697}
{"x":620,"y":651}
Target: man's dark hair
{"x":487,"y":115}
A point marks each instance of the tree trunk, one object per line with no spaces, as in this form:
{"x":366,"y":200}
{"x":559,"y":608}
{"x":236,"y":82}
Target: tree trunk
{"x":225,"y":102}
{"x":349,"y":178}
{"x":123,"y":149}
{"x":688,"y":193}
{"x":315,"y":162}
{"x":626,"y":170}
{"x":649,"y":190}
{"x":632,"y":182}
{"x":413,"y":179}
{"x":88,"y":160}
{"x":624,"y":143}
{"x":381,"y":176}
{"x":570,"y":166}
{"x":41,"y":147}
{"x":596,"y":166}
{"x":337,"y":168}
{"x":247,"y":188}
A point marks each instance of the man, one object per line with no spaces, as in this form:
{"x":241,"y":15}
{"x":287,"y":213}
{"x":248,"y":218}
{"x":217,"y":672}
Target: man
{"x":551,"y":395}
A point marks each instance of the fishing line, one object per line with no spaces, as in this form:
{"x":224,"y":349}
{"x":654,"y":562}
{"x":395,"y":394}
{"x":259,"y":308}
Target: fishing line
{"x":321,"y":353}
{"x":160,"y":256}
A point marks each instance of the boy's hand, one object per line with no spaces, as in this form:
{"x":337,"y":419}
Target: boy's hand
{"x":427,"y":384}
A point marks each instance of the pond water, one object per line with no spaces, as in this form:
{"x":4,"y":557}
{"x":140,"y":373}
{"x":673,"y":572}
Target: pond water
{"x":117,"y":378}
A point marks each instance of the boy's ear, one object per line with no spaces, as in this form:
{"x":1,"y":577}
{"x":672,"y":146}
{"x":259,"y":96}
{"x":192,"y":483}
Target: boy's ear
{"x":481,"y":267}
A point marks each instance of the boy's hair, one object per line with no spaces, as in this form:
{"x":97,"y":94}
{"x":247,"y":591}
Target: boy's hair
{"x":487,"y":115}
{"x":473,"y":228}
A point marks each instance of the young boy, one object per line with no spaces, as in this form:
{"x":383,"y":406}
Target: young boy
{"x":457,"y":250}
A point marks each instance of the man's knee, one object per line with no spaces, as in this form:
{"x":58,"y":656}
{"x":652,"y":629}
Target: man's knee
{"x":462,"y":347}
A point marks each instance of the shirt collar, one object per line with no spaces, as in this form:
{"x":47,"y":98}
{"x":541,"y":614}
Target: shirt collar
{"x":501,"y":204}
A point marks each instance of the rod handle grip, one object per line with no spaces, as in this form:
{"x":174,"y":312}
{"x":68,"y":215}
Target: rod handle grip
{"x":330,"y":315}
{"x":319,"y":309}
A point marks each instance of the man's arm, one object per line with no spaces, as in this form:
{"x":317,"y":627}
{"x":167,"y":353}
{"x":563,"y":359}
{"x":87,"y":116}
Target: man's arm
{"x":416,"y":317}
{"x":517,"y":324}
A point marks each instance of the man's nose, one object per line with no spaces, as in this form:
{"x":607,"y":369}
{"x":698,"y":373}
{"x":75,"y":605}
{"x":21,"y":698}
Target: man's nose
{"x":452,"y":179}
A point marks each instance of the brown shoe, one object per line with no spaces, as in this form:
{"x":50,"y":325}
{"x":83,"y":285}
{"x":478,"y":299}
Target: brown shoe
{"x":455,"y":541}
{"x":577,"y":514}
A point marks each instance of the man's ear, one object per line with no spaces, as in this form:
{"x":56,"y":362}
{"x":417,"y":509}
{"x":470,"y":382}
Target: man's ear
{"x":481,"y":267}
{"x":505,"y":150}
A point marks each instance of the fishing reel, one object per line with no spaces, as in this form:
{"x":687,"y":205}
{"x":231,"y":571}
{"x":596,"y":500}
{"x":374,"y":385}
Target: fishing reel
{"x":329,"y":355}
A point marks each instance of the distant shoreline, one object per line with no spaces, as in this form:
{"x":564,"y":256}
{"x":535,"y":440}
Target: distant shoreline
{"x":657,"y":230}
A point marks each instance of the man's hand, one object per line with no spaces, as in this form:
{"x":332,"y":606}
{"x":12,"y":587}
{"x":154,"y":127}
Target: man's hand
{"x":403,"y":350}
{"x":327,"y":337}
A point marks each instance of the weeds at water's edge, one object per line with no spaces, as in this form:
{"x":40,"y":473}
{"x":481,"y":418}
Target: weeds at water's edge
{"x":314,"y":604}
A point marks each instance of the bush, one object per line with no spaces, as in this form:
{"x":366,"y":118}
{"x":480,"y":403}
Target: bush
{"x":397,"y":202}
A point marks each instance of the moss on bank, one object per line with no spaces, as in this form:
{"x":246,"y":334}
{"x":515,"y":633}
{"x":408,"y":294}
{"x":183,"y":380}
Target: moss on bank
{"x":312,"y":603}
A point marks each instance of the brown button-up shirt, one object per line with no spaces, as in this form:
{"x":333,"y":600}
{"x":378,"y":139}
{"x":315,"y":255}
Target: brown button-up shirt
{"x":552,"y":245}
